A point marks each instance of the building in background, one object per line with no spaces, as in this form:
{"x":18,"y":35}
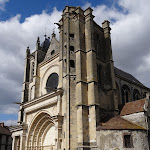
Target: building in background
{"x":71,"y":87}
{"x":128,"y":130}
{"x":5,"y":138}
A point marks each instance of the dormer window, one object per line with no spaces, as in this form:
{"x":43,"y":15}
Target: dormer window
{"x":52,"y":52}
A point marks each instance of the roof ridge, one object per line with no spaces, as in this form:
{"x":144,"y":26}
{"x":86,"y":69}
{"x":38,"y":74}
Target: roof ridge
{"x":122,"y":70}
{"x":135,"y":101}
{"x":120,"y":73}
{"x":119,"y":123}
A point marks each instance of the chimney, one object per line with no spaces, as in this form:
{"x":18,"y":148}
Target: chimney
{"x":2,"y":124}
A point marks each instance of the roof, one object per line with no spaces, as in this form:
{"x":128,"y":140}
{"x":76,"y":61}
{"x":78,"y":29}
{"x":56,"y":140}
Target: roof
{"x":127,"y":76}
{"x":133,"y":107}
{"x":118,"y":123}
{"x":45,"y":45}
{"x":4,"y":130}
{"x":15,"y":128}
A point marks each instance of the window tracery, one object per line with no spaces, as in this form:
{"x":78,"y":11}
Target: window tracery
{"x":52,"y":82}
{"x":136,"y":94}
{"x":125,"y":94}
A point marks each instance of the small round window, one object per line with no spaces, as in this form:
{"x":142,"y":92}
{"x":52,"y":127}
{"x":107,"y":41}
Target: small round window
{"x":52,"y":82}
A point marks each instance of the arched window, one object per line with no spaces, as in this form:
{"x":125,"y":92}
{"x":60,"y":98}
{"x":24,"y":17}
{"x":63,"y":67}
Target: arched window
{"x":125,"y":94}
{"x":52,"y":52}
{"x":52,"y":82}
{"x":136,"y":94}
{"x":32,"y":70}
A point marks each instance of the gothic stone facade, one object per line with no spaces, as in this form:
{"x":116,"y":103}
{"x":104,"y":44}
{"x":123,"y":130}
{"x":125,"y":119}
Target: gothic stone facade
{"x":70,"y":86}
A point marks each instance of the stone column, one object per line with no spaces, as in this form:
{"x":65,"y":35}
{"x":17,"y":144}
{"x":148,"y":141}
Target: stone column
{"x":108,"y":47}
{"x":58,"y":133}
{"x":91,"y":74}
{"x":65,"y":74}
{"x":59,"y":104}
{"x":61,"y":54}
{"x":110,"y":62}
{"x":67,"y":80}
{"x":81,"y":85}
{"x":24,"y":97}
{"x":21,"y":142}
{"x":13,"y":143}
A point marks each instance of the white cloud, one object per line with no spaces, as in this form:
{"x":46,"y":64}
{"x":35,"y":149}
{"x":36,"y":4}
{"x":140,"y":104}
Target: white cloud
{"x":2,"y":4}
{"x":87,"y":4}
{"x":103,"y":12}
{"x":135,"y":6}
{"x":130,"y":44}
{"x":10,"y":122}
{"x":16,"y":37}
{"x":9,"y":108}
{"x":130,"y":35}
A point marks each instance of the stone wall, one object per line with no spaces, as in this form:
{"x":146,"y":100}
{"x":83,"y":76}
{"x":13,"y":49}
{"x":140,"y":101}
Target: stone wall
{"x":114,"y":139}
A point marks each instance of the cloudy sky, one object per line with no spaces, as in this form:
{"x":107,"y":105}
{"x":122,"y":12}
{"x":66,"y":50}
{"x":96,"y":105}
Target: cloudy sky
{"x":21,"y":22}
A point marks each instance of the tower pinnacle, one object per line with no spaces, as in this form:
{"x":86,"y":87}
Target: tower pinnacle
{"x":38,"y":43}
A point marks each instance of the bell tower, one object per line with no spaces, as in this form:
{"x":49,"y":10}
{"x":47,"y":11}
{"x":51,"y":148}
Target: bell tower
{"x":68,"y":76}
{"x":80,"y":57}
{"x":78,"y":74}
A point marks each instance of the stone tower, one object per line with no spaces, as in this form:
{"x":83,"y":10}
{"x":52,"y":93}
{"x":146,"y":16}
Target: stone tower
{"x":85,"y":64}
{"x":63,"y":114}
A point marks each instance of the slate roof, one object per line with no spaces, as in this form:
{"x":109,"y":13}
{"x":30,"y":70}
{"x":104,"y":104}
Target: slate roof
{"x":45,"y":45}
{"x":4,"y":130}
{"x":133,"y":107}
{"x":118,"y":123}
{"x":127,"y":76}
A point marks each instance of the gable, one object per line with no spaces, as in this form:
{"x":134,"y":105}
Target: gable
{"x":53,"y":48}
{"x":118,"y":123}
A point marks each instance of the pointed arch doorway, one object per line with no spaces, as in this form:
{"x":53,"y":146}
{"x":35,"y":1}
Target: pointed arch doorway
{"x":42,"y":133}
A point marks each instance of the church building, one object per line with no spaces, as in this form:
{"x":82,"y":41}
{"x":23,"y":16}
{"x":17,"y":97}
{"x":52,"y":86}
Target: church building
{"x":72,"y":92}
